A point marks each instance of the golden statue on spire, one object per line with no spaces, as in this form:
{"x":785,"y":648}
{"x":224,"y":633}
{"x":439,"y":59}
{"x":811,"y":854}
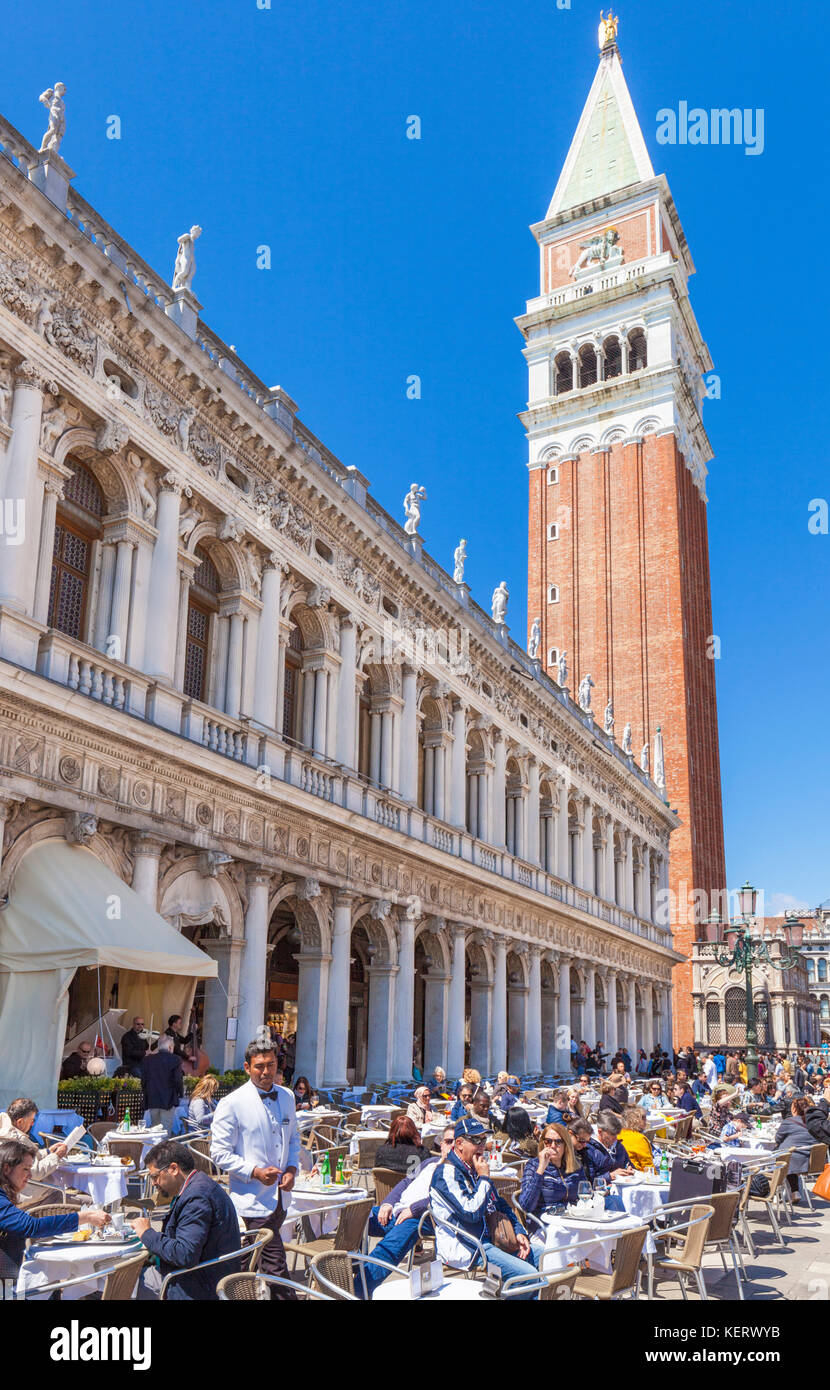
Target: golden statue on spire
{"x":607,"y":29}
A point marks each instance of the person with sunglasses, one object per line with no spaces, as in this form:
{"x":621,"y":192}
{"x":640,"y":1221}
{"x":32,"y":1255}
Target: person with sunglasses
{"x":462,"y":1197}
{"x":553,"y":1177}
{"x":652,"y":1097}
{"x":397,"y":1218}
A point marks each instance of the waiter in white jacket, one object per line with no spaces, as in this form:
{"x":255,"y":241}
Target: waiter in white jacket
{"x":255,"y":1139}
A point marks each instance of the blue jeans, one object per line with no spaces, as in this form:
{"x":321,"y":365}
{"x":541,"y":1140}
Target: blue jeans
{"x":511,"y":1265}
{"x":397,"y":1241}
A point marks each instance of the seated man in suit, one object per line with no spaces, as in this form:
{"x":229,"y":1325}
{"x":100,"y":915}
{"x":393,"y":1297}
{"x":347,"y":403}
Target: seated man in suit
{"x":200,"y":1225}
{"x":255,"y":1139}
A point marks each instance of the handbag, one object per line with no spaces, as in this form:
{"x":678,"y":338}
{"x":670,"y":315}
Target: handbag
{"x":821,"y":1187}
{"x":502,"y":1234}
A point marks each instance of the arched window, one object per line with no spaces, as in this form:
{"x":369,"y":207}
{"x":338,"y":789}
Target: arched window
{"x":824,"y":1004}
{"x":637,"y":353}
{"x":811,"y":969}
{"x":547,"y":856}
{"x":293,"y":678}
{"x":77,"y":527}
{"x":599,"y":850}
{"x":202,"y":606}
{"x":612,"y":352}
{"x":563,"y":373}
{"x":735,"y":1000}
{"x":713,"y":1036}
{"x":514,"y":808}
{"x":587,"y":365}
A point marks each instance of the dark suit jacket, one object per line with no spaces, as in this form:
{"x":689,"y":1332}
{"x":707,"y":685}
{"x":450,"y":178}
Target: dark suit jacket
{"x":161,"y":1076}
{"x":200,"y":1225}
{"x":133,"y":1050}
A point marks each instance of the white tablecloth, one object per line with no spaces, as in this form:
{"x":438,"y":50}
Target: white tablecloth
{"x":454,"y":1291}
{"x":562,"y":1234}
{"x":104,"y":1184}
{"x":46,"y":1264}
{"x":740,"y":1154}
{"x":305,"y":1198}
{"x":640,"y":1198}
{"x":380,"y":1134}
{"x":148,"y":1138}
{"x":309,"y":1119}
{"x":382,"y":1114}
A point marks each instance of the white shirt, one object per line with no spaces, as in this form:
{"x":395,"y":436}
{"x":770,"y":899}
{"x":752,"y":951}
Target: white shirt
{"x":710,"y":1073}
{"x":418,"y":1189}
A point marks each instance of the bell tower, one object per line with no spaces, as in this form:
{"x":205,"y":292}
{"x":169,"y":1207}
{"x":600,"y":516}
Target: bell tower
{"x":618,"y":561}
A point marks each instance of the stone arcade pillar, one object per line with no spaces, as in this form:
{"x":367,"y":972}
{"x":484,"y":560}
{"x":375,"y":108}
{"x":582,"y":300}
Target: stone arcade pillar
{"x":589,"y":1016}
{"x":533,"y":1033}
{"x":345,"y":750}
{"x":337,"y":999}
{"x":268,"y":646}
{"x":146,"y":853}
{"x":404,"y":999}
{"x":456,"y":1006}
{"x":563,"y":1022}
{"x":163,"y":591}
{"x":498,"y":1053}
{"x":251,"y":1010}
{"x":458,"y":791}
{"x":22,"y":504}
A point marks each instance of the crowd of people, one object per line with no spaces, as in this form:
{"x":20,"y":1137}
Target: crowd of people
{"x":255,"y":1142}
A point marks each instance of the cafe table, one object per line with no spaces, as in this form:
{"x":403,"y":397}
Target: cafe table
{"x":381,"y":1134}
{"x":382,"y":1114}
{"x":321,"y":1201}
{"x":639,"y":1196}
{"x":105,"y":1182}
{"x":148,"y":1137}
{"x":569,"y":1240}
{"x":47,"y":1262}
{"x":309,"y":1119}
{"x":394,"y":1290}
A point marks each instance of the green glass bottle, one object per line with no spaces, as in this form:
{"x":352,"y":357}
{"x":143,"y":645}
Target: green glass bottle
{"x":127,"y":1121}
{"x":338,"y":1177}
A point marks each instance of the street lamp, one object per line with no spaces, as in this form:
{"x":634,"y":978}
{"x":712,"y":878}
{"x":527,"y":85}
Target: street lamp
{"x":739,"y":950}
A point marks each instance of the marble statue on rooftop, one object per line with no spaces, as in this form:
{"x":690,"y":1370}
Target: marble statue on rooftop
{"x":499,"y":603}
{"x":535,"y":639}
{"x":459,"y":560}
{"x":609,"y":717}
{"x":626,"y":743}
{"x":644,"y":759}
{"x":185,"y":267}
{"x":53,"y":100}
{"x":586,"y":685}
{"x":562,"y":669}
{"x":412,"y":508}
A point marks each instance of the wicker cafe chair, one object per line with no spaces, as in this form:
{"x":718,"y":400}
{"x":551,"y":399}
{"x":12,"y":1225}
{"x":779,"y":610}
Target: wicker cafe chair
{"x":624,"y":1277}
{"x":333,"y":1272}
{"x":348,"y":1234}
{"x":385,"y":1179}
{"x":127,"y":1148}
{"x":688,"y":1257}
{"x":333,"y":1153}
{"x":55,"y":1208}
{"x":200,"y":1149}
{"x":547,"y":1287}
{"x":253,"y":1243}
{"x":100,"y":1128}
{"x":254,"y":1288}
{"x":35,"y":1194}
{"x":721,"y":1235}
{"x":777,"y":1177}
{"x":366,"y":1151}
{"x":815,"y":1165}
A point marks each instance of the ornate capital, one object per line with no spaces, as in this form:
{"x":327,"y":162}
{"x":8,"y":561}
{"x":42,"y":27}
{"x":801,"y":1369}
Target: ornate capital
{"x":145,"y":845}
{"x":171,"y":482}
{"x":80,"y":827}
{"x":308,"y":889}
{"x":28,"y":374}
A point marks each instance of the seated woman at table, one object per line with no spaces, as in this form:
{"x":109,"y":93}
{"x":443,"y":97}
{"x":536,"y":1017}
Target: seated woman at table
{"x":203,"y":1101}
{"x":633,"y":1139}
{"x":16,"y":1123}
{"x":438,"y":1084}
{"x":403,"y":1150}
{"x":559,"y":1111}
{"x":575,"y":1104}
{"x":610,"y":1097}
{"x":652,"y":1097}
{"x":684,"y":1100}
{"x":553,"y":1177}
{"x":518,"y":1131}
{"x":16,"y":1226}
{"x":793,"y":1134}
{"x":304,"y":1097}
{"x":419,"y":1109}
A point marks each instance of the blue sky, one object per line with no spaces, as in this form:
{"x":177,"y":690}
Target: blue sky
{"x":286,"y":127}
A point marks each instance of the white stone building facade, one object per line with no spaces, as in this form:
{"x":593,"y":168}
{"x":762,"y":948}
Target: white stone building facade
{"x":228,"y":672}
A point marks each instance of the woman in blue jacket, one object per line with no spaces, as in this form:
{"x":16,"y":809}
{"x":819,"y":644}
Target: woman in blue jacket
{"x":553,"y":1177}
{"x":16,"y":1226}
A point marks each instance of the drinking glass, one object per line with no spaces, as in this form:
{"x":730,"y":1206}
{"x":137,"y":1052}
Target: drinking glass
{"x":585,"y":1193}
{"x":601,"y":1186}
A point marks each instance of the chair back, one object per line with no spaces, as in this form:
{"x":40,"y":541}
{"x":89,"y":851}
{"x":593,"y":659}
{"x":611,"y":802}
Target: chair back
{"x":351,"y":1223}
{"x":683,"y":1128}
{"x":36,"y":1193}
{"x":725,"y":1205}
{"x":506,"y":1184}
{"x":560,"y":1286}
{"x":100,"y":1128}
{"x":385,"y":1179}
{"x":119,"y":1286}
{"x":335,"y":1266}
{"x":54,"y":1208}
{"x":351,"y":1117}
{"x":127,"y":1148}
{"x":626,"y":1257}
{"x":696,"y":1235}
{"x":333,"y":1154}
{"x":366,"y":1150}
{"x":245,"y":1288}
{"x":253,"y":1243}
{"x":818,"y":1158}
{"x":200,"y":1149}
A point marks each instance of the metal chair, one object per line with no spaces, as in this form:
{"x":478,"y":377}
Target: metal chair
{"x":777,"y":1176}
{"x":624,"y":1276}
{"x":334,"y":1272}
{"x":816,"y":1164}
{"x":100,"y":1128}
{"x":253,"y":1243}
{"x":251,"y":1287}
{"x":349,"y":1233}
{"x":688,"y":1258}
{"x":127,"y":1148}
{"x":119,"y":1281}
{"x":54,"y":1208}
{"x":385,"y":1179}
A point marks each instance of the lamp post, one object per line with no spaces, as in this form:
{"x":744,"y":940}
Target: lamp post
{"x":739,"y":950}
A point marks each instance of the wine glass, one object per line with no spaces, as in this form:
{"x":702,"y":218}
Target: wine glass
{"x":601,"y":1186}
{"x":584,"y":1192}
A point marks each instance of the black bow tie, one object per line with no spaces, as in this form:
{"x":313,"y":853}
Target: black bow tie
{"x":270,"y":1095}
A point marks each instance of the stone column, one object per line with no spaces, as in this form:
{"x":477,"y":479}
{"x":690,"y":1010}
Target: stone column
{"x":225,"y":951}
{"x":588,"y":853}
{"x":23,"y":492}
{"x":104,"y":605}
{"x":435,"y":1020}
{"x":456,"y":1019}
{"x":268,"y":647}
{"x":53,"y":493}
{"x":629,"y":872}
{"x":630,"y":1040}
{"x":480,"y":1021}
{"x":181,"y":627}
{"x":163,"y":588}
{"x":533,"y":1051}
{"x":374,"y":746}
{"x":321,"y":692}
{"x":404,"y":1000}
{"x":346,"y":753}
{"x":517,"y":1033}
{"x":145,"y":882}
{"x":666,"y":1021}
{"x":498,"y":1053}
{"x":233,"y":686}
{"x":312,"y":1012}
{"x":120,"y":611}
{"x":337,"y":998}
{"x":458,"y":795}
{"x":498,"y":797}
{"x":589,"y":1015}
{"x":608,"y":873}
{"x":563,"y":1020}
{"x":387,"y":727}
{"x":137,"y":635}
{"x":532,"y":837}
{"x":251,"y":1011}
{"x":562,"y":867}
{"x":381,"y":1021}
{"x":409,"y":737}
{"x":439,"y":809}
{"x":612,"y":1026}
{"x":550,"y":1061}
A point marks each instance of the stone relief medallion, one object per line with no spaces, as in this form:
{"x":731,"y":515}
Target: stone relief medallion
{"x":232,"y":822}
{"x":302,"y":847}
{"x":69,"y":769}
{"x":109,"y":780}
{"x":25,"y":757}
{"x":142,"y":793}
{"x":281,"y":839}
{"x":375,"y":873}
{"x":342,"y":860}
{"x":174,"y":805}
{"x":204,"y":813}
{"x":255,"y":831}
{"x":323,"y":854}
{"x":433,"y":892}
